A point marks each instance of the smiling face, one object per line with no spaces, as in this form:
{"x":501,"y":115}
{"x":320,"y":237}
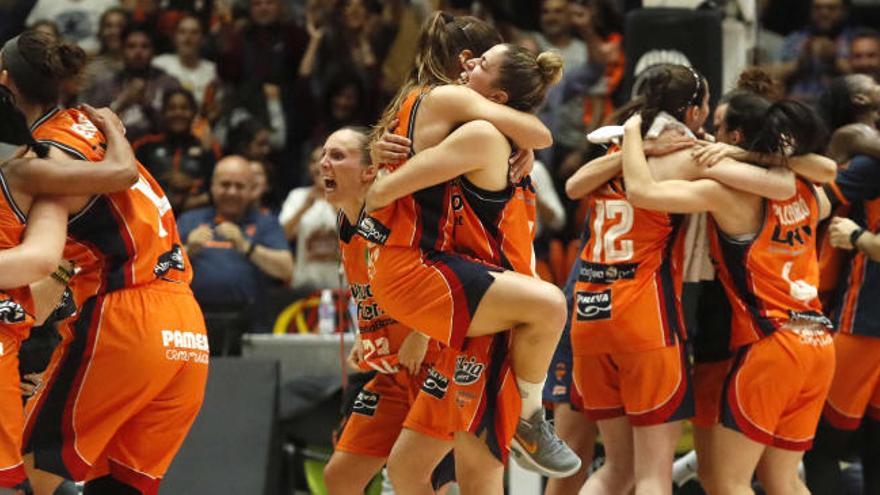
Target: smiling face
{"x":178,"y":114}
{"x":482,"y":73}
{"x":343,"y":171}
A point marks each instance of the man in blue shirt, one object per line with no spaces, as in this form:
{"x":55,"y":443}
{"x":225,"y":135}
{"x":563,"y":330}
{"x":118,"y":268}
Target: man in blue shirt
{"x":235,"y":251}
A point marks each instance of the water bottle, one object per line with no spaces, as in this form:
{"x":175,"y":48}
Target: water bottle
{"x":326,"y":313}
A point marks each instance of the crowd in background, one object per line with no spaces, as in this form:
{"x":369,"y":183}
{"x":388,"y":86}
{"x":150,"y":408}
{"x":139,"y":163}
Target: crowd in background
{"x":259,"y":85}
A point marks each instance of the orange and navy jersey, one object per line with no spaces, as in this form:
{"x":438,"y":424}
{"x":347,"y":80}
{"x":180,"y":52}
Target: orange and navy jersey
{"x":628,"y":289}
{"x":411,"y":221}
{"x":381,"y":335}
{"x":853,"y":306}
{"x":16,"y":305}
{"x":118,"y":240}
{"x":773,"y":278}
{"x":495,"y":227}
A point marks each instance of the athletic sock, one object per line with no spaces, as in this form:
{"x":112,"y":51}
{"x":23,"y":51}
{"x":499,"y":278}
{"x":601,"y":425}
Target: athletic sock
{"x":531,"y":397}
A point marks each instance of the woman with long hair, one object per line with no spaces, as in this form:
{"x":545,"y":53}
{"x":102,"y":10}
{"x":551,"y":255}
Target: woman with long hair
{"x":134,"y":279}
{"x":483,"y":243}
{"x":765,"y":254}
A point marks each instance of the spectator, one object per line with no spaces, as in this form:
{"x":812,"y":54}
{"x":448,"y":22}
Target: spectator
{"x":250,"y":139}
{"x":12,"y":17}
{"x":235,"y":251}
{"x":828,"y":19}
{"x":76,"y":19}
{"x":193,"y":72}
{"x":812,"y":74}
{"x":109,"y":57}
{"x":864,"y":53}
{"x":252,"y":105}
{"x":175,"y":157}
{"x":309,"y":221}
{"x":264,"y":187}
{"x":135,"y":93}
{"x":556,"y":33}
{"x":344,"y":104}
{"x":47,"y":27}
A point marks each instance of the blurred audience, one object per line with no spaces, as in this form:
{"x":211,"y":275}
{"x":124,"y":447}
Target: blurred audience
{"x":77,"y":20}
{"x":193,"y":72}
{"x":134,"y":92}
{"x":109,"y":56}
{"x":864,"y":53}
{"x":236,"y":251}
{"x":175,"y":157}
{"x":309,"y":223}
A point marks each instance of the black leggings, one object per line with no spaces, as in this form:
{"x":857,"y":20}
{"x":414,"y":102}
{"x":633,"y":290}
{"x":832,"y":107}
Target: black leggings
{"x":822,"y":463}
{"x":107,"y":485}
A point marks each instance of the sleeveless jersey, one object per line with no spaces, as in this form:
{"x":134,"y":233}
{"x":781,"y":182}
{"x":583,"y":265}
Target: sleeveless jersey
{"x":628,"y":291}
{"x":381,"y":335}
{"x":119,"y":240}
{"x":772,"y":279}
{"x":16,"y":305}
{"x":414,"y":220}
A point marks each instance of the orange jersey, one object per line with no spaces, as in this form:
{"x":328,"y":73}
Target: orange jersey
{"x":628,"y":290}
{"x":411,"y":221}
{"x":118,"y":240}
{"x":772,"y":279}
{"x":381,"y":335}
{"x":16,"y":305}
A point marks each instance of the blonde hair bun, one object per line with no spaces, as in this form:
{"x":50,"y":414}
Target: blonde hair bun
{"x":551,"y":64}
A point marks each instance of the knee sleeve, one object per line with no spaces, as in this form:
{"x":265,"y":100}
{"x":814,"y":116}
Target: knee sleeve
{"x":107,"y":485}
{"x":66,"y":488}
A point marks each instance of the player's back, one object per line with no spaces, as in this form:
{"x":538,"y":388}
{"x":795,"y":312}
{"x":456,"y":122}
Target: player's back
{"x":628,"y":290}
{"x":119,"y":240}
{"x":772,"y":279}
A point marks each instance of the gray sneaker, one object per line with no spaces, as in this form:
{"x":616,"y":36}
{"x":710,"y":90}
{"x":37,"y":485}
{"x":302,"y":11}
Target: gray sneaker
{"x":536,"y":447}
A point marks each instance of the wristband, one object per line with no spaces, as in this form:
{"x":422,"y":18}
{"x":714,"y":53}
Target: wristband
{"x":854,"y":237}
{"x":250,"y":250}
{"x":62,"y":275}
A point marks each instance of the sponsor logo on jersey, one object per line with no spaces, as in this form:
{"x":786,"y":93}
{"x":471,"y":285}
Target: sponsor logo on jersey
{"x":372,"y":230}
{"x":366,"y":403}
{"x":11,"y":312}
{"x":593,"y":305}
{"x":561,"y":371}
{"x":810,"y":317}
{"x":181,"y":339}
{"x":435,"y":384}
{"x":171,"y":260}
{"x":598,"y":273}
{"x":467,"y":370}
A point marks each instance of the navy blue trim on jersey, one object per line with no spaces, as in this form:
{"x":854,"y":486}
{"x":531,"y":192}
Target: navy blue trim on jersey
{"x":48,"y":115}
{"x":65,"y":148}
{"x":488,"y":207}
{"x":490,"y":414}
{"x":431,"y":213}
{"x":47,"y":437}
{"x":102,"y":231}
{"x":10,"y":200}
{"x":671,"y":310}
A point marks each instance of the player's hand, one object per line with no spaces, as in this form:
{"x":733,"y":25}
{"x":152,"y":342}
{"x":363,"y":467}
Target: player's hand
{"x":390,"y":148}
{"x":633,"y":123}
{"x":412,"y":351}
{"x":31,"y":384}
{"x":521,"y":164}
{"x":840,"y":231}
{"x":708,"y":154}
{"x":104,"y":119}
{"x":232,"y":233}
{"x":199,"y":236}
{"x":667,"y":142}
{"x":356,"y":356}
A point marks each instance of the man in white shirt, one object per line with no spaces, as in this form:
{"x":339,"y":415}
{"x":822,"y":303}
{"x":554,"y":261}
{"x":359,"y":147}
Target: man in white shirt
{"x":187,"y":65}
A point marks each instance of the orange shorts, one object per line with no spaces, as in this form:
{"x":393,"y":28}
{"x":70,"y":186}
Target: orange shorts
{"x":378,"y":413}
{"x":126,"y":382}
{"x":433,"y":292}
{"x":11,"y":410}
{"x":777,"y":386}
{"x":650,"y":387}
{"x":471,"y":390}
{"x":709,"y":381}
{"x":855,"y":390}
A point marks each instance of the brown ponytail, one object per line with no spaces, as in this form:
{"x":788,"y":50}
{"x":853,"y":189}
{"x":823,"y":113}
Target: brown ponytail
{"x":38,"y":64}
{"x":527,"y":78}
{"x":442,"y":39}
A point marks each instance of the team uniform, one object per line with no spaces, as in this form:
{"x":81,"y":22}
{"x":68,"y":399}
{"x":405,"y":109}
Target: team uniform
{"x":855,"y":391}
{"x":128,"y":379}
{"x":473,"y":388}
{"x":628,"y":328}
{"x":784,"y":357}
{"x":381,"y":407}
{"x":16,"y":319}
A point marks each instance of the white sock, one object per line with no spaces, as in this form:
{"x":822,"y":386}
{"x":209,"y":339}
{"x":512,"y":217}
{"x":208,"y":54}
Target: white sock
{"x":531,"y":397}
{"x":684,"y":468}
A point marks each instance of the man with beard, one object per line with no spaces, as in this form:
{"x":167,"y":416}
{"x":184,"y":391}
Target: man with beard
{"x":135,"y":93}
{"x":864,"y":53}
